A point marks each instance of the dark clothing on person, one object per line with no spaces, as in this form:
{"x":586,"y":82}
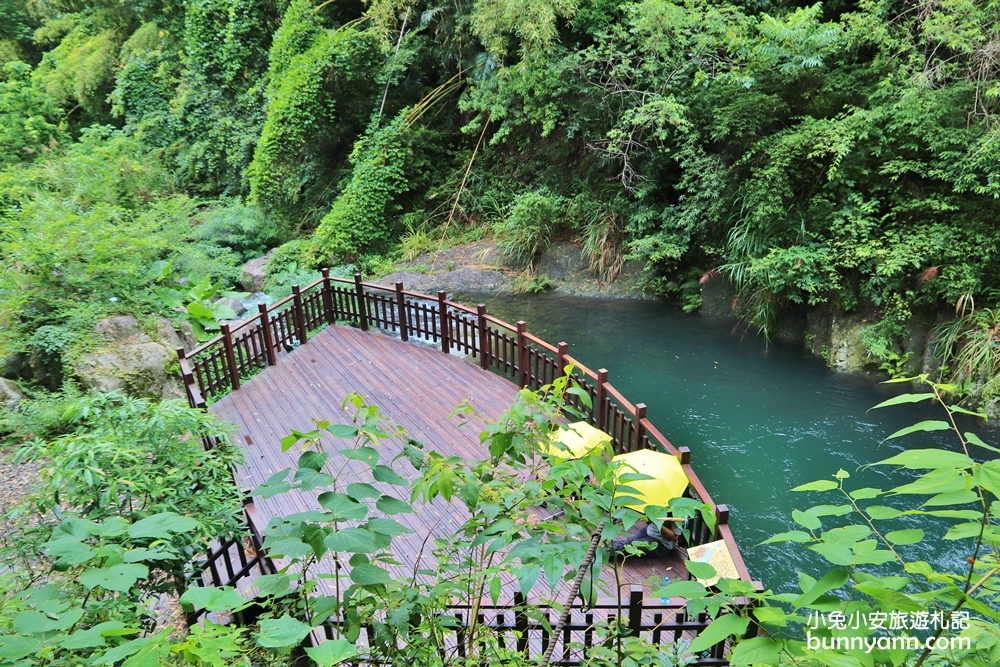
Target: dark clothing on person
{"x":649,"y":538}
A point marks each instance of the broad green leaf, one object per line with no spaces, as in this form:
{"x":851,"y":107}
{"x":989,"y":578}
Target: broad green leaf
{"x":365,"y":454}
{"x":722,"y":627}
{"x":893,"y":599}
{"x":790,"y":536}
{"x":214,"y":599}
{"x":370,"y":575}
{"x":273,"y":585}
{"x":275,"y":485}
{"x":313,"y":460}
{"x":942,"y":480}
{"x":31,"y":622}
{"x":908,"y":536}
{"x":838,"y":554}
{"x":831,"y":580}
{"x":978,"y":442}
{"x":952,"y":499}
{"x":389,"y":527}
{"x":315,"y":536}
{"x":332,"y":652}
{"x":834,"y":659}
{"x":963,"y":411}
{"x":495,"y":585}
{"x":927,"y":425}
{"x":360,"y":491}
{"x":386,"y":474}
{"x":345,"y":431}
{"x":963,"y":531}
{"x":806,"y":520}
{"x":830,"y":510}
{"x":282,"y":632}
{"x":15,"y":647}
{"x":115,"y":578}
{"x":846,"y":535}
{"x":988,"y":476}
{"x":689,"y":589}
{"x":162,"y":525}
{"x":866,"y":493}
{"x":139,"y":555}
{"x":391,"y":505}
{"x":902,"y":398}
{"x":289,"y":547}
{"x":351,"y":540}
{"x":309,"y":480}
{"x":757,"y":651}
{"x":916,"y":459}
{"x":342,"y":507}
{"x":818,"y":485}
{"x":701,"y":570}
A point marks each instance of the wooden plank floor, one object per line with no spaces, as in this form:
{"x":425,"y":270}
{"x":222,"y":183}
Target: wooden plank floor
{"x":415,"y":386}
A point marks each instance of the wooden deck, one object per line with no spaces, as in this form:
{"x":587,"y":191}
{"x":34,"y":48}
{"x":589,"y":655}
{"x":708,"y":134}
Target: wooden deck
{"x":415,"y":386}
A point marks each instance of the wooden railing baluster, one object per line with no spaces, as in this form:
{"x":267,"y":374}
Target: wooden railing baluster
{"x":328,"y":297}
{"x":298,"y":317}
{"x":484,"y":352}
{"x":640,"y":414}
{"x":359,"y":291}
{"x":443,"y":316}
{"x":401,"y":306}
{"x":522,"y":354}
{"x":227,"y":346}
{"x":265,"y":326}
{"x":602,"y":397}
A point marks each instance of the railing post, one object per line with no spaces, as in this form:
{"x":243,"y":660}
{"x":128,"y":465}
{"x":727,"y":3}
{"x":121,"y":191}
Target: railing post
{"x":640,"y":414}
{"x":522,"y":354}
{"x":635,"y":610}
{"x":300,"y":320}
{"x":721,"y":519}
{"x":265,"y":324}
{"x":602,"y":394}
{"x":227,"y":346}
{"x":520,"y":622}
{"x":328,"y":297}
{"x":359,"y":290}
{"x":484,"y":343}
{"x":685,"y":453}
{"x":187,"y":377}
{"x":562,"y":349}
{"x":401,"y":307}
{"x":443,"y":314}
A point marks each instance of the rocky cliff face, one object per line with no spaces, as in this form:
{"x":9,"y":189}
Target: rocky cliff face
{"x":133,"y":361}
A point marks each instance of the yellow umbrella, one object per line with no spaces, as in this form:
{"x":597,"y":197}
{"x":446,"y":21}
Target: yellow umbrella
{"x":667,"y":482}
{"x":575,"y":441}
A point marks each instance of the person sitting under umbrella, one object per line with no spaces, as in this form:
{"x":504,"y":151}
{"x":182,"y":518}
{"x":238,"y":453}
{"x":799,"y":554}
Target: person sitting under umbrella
{"x":653,"y":541}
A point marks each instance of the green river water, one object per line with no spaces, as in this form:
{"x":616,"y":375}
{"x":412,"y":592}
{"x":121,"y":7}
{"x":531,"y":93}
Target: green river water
{"x":759,"y":419}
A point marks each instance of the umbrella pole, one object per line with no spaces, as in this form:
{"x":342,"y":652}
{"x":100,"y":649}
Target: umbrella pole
{"x":573,"y":592}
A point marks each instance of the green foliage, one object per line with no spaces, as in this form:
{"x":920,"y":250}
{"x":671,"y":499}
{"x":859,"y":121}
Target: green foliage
{"x":357,"y":220}
{"x":243,"y":228}
{"x":528,"y":228}
{"x":313,"y":98}
{"x":968,"y":351}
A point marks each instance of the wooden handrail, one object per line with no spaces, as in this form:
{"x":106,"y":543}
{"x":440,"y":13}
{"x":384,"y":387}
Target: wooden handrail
{"x":636,"y":422}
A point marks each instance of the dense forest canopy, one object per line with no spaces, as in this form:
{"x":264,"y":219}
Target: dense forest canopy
{"x":841,"y":153}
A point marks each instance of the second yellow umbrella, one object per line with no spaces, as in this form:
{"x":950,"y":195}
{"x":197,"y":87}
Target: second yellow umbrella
{"x":575,"y":441}
{"x":667,"y":479}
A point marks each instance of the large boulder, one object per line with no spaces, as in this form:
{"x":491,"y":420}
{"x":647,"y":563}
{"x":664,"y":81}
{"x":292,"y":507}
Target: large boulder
{"x":10,"y":393}
{"x":254,"y":272}
{"x":133,"y":361}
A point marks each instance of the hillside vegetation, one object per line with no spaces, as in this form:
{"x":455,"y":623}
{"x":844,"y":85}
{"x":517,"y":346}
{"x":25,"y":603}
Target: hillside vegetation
{"x":841,"y":153}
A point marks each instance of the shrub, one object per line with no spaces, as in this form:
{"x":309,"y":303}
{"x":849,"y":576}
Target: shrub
{"x":527,"y":230}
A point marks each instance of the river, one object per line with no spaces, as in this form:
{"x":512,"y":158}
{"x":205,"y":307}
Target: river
{"x":759,"y":418}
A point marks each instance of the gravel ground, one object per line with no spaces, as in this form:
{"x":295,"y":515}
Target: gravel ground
{"x":16,"y":480}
